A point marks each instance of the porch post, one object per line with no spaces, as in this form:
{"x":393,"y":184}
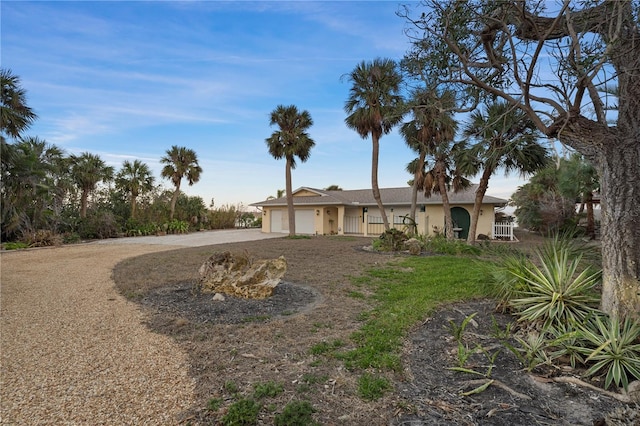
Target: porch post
{"x":365,"y":224}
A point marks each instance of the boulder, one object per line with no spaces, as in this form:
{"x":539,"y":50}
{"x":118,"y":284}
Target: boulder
{"x":414,"y":246}
{"x":239,"y":275}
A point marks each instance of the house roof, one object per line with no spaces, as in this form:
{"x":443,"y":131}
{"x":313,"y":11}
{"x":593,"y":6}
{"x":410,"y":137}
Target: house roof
{"x":364,"y":197}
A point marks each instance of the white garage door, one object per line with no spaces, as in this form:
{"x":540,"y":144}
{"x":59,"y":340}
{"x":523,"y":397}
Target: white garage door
{"x":305,"y":222}
{"x":276,"y":221}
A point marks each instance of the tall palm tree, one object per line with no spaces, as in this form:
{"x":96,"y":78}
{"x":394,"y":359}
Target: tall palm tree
{"x":292,"y":140}
{"x":374,"y":108}
{"x":430,"y":133}
{"x":134,"y":178}
{"x":445,"y":176}
{"x":15,"y":115}
{"x":87,"y":170}
{"x":504,"y":138}
{"x":180,"y":162}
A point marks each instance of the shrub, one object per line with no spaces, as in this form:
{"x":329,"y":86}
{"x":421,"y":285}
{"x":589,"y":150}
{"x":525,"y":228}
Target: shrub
{"x":557,"y":293}
{"x":440,"y":244}
{"x":177,"y":227}
{"x":505,"y":279}
{"x":98,"y":224}
{"x":14,"y":245}
{"x":391,"y":240}
{"x":44,"y":238}
{"x":612,"y":347}
{"x":242,"y":413}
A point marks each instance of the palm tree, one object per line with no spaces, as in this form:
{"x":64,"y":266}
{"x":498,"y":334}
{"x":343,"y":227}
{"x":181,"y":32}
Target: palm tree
{"x":87,"y":170}
{"x":430,"y":133}
{"x":180,"y":162}
{"x":505,"y":138}
{"x":33,"y":185}
{"x":333,"y":188}
{"x":292,"y":140}
{"x":445,"y":176}
{"x":15,"y":115}
{"x":374,"y":107}
{"x":579,"y":179}
{"x":134,"y":178}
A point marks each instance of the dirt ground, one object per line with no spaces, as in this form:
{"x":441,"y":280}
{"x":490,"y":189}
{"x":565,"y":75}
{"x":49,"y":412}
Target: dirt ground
{"x":235,"y":344}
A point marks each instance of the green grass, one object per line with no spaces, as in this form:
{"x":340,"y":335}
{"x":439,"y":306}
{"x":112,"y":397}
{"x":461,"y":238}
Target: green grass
{"x":405,"y":293}
{"x":372,"y":387}
{"x":325,"y":347}
{"x":269,"y":389}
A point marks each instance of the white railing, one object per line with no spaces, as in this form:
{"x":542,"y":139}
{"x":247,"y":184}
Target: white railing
{"x":352,"y":224}
{"x":503,"y":230}
{"x":375,"y":225}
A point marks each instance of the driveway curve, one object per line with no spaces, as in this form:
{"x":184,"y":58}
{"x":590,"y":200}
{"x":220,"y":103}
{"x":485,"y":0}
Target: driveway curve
{"x":74,"y":351}
{"x":195,"y":239}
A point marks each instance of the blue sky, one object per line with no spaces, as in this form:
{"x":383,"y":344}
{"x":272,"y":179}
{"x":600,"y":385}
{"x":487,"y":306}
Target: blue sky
{"x":128,"y":79}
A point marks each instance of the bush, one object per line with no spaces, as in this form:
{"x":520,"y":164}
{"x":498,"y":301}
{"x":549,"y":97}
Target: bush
{"x":98,"y":224}
{"x":613,"y":347}
{"x":43,"y":238}
{"x":391,"y":240}
{"x":14,"y":245}
{"x":242,"y":413}
{"x":557,"y":292}
{"x":223,"y":217}
{"x":440,"y":244}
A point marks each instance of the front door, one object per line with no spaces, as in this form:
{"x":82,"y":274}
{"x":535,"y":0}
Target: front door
{"x":461,"y":222}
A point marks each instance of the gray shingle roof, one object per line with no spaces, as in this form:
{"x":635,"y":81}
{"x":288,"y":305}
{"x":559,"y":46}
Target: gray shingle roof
{"x":364,"y":197}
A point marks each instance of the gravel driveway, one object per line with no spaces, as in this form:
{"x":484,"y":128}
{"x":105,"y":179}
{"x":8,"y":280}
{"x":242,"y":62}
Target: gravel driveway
{"x":196,"y":239}
{"x":73,"y":351}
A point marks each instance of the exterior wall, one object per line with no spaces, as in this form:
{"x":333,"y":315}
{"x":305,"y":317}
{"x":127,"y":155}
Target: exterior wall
{"x":485,"y":220}
{"x":375,"y":227}
{"x":352,"y":220}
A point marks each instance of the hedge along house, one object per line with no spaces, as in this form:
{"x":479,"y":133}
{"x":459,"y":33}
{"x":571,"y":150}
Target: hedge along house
{"x":355,"y":212}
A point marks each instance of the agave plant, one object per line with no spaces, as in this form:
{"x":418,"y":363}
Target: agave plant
{"x":557,"y":293}
{"x":505,"y":279}
{"x":617,"y":349}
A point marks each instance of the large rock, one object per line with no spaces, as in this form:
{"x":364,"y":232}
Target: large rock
{"x":414,"y":246}
{"x":239,"y":275}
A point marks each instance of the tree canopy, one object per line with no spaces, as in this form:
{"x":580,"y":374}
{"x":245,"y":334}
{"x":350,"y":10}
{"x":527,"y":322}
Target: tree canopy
{"x":554,"y":61}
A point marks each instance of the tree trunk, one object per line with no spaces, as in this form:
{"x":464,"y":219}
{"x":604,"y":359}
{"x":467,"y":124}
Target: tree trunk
{"x":134,"y":199}
{"x":174,"y":199}
{"x":591,"y":225}
{"x":289,"y":191}
{"x":620,"y":201}
{"x":442,"y":187}
{"x":84,"y":199}
{"x":414,"y":190}
{"x":133,"y":208}
{"x":477,"y":204}
{"x":374,"y":178}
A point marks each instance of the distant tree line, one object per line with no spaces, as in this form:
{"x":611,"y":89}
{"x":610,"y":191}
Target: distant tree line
{"x":49,"y":197}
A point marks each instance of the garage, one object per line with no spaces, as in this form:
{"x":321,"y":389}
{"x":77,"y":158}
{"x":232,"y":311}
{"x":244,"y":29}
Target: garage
{"x":276,"y":222}
{"x":305,"y":222}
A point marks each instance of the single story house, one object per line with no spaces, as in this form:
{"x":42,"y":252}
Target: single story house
{"x":355,"y":212}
